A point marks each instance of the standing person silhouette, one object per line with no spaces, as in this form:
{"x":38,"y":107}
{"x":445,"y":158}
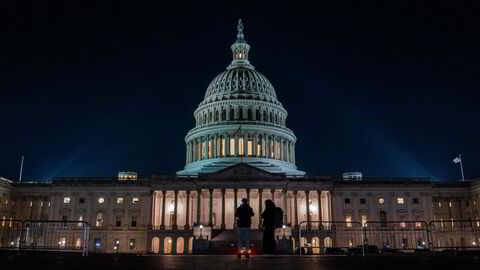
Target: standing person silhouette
{"x":244,"y":214}
{"x":269,"y":244}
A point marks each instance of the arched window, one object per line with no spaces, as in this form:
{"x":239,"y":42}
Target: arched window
{"x":264,"y":116}
{"x":224,"y":115}
{"x":271,"y":117}
{"x":240,"y":113}
{"x":276,"y":119}
{"x":249,"y":114}
{"x":232,"y":114}
{"x":383,"y":219}
{"x":257,"y":115}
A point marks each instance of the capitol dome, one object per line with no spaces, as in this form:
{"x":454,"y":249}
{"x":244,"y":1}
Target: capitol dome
{"x":240,"y":120}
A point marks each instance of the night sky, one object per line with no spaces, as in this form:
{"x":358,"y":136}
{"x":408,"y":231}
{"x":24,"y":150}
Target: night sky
{"x":386,"y":89}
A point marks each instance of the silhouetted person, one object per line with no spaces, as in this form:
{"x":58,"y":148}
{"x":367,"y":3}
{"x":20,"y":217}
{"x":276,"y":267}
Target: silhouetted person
{"x":244,"y":214}
{"x":269,"y":216}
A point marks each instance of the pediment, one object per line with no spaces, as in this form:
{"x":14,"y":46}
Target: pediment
{"x":242,"y":171}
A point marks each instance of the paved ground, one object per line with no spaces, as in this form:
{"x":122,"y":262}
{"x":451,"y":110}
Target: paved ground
{"x":119,"y":262}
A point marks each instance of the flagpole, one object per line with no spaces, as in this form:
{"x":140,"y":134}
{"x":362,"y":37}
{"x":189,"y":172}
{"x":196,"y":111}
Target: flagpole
{"x":21,"y":171}
{"x":461,"y":166}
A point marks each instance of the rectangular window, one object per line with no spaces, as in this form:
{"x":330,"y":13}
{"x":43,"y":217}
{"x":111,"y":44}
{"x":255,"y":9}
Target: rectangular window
{"x":222,"y":148}
{"x":118,"y":221}
{"x":400,"y":200}
{"x":232,"y":147}
{"x":135,"y":200}
{"x":364,"y":220}
{"x":259,"y":150}
{"x":209,"y":148}
{"x":120,"y":200}
{"x":415,"y":201}
{"x":347,"y":200}
{"x":418,"y":224}
{"x":78,"y":242}
{"x":116,"y":245}
{"x":134,"y":221}
{"x":80,"y":218}
{"x":439,"y":204}
{"x":450,"y":204}
{"x":66,"y":200}
{"x":64,"y":217}
{"x":348,"y":219}
{"x":363,"y":201}
{"x":81,"y":200}
{"x":250,"y":148}
{"x":240,"y":146}
{"x":98,"y":243}
{"x":62,"y":242}
{"x":131,"y":245}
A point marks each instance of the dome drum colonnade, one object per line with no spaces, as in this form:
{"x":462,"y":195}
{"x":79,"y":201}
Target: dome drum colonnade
{"x":240,"y":117}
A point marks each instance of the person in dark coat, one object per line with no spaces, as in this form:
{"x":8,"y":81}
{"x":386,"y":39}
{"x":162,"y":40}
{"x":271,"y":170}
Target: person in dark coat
{"x":244,"y":214}
{"x":269,"y":244}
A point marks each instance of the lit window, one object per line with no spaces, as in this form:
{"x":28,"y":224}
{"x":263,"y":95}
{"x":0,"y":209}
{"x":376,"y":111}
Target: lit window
{"x":450,"y":204}
{"x":210,"y":149}
{"x":80,"y":218}
{"x":135,"y":200}
{"x":400,"y":200}
{"x":78,"y":243}
{"x":259,"y":149}
{"x":101,"y":200}
{"x":250,"y":148}
{"x":439,"y":204}
{"x":232,"y":146}
{"x":99,"y":220}
{"x":3,"y":220}
{"x":418,"y":224}
{"x":364,"y":220}
{"x":6,"y":201}
{"x":381,"y":201}
{"x":62,"y":242}
{"x":117,"y":244}
{"x":98,"y":243}
{"x":240,"y":146}
{"x":120,"y":200}
{"x":66,"y":200}
{"x":41,"y":204}
{"x":348,"y":219}
{"x":31,"y":203}
{"x":131,"y":245}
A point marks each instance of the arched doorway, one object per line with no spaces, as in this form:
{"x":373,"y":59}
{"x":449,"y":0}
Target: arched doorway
{"x":167,"y":245}
{"x":155,"y":244}
{"x":180,"y":245}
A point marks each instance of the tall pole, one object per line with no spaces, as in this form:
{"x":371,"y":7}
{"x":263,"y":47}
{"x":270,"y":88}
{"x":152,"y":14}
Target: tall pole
{"x":461,"y":166}
{"x":21,"y":170}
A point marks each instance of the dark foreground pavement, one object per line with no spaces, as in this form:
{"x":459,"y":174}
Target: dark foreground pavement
{"x":119,"y":262}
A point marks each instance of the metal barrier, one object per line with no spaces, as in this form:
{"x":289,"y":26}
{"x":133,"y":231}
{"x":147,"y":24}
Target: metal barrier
{"x":46,"y":235}
{"x":397,"y":235}
{"x":455,"y":234}
{"x":315,"y":236}
{"x":10,"y":233}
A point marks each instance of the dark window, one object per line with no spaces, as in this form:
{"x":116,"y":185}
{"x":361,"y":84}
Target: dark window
{"x":81,"y":200}
{"x":118,"y":222}
{"x":415,"y":200}
{"x":383,"y":219}
{"x":134,"y":221}
{"x":347,"y":200}
{"x":64,"y":217}
{"x":363,"y":201}
{"x":467,"y":204}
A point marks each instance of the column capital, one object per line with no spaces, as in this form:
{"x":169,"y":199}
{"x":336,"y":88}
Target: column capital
{"x":307,"y":192}
{"x":175,"y":192}
{"x":188,"y":192}
{"x":272,"y":190}
{"x":164,"y":192}
{"x":284,"y":190}
{"x":295,"y":192}
{"x":223,"y":191}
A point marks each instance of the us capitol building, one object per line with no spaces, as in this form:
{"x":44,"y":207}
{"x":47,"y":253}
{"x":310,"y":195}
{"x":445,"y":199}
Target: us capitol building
{"x":240,"y":147}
